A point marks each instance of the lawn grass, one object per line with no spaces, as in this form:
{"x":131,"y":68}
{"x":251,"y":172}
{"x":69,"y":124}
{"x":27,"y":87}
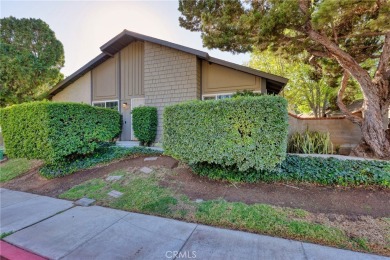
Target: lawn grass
{"x":6,"y":234}
{"x":265,"y":219}
{"x":143,"y":194}
{"x":104,"y":154}
{"x":14,"y":167}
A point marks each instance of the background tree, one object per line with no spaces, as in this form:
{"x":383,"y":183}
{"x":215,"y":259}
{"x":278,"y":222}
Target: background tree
{"x":30,"y":60}
{"x":347,"y":33}
{"x":306,"y":91}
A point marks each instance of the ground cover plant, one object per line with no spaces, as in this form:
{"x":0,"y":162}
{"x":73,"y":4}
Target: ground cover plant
{"x":101,"y":155}
{"x":326,"y":171}
{"x":13,"y":168}
{"x":53,"y":131}
{"x":247,"y":132}
{"x":143,"y":193}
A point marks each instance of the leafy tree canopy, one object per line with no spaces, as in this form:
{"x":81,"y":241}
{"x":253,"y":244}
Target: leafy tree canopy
{"x":308,"y":90}
{"x":30,"y":60}
{"x":340,"y":36}
{"x":238,"y":26}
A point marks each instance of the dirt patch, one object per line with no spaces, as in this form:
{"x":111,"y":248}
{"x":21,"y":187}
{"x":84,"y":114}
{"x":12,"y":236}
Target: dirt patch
{"x":351,"y":202}
{"x":317,"y":199}
{"x":33,"y":182}
{"x":375,"y":230}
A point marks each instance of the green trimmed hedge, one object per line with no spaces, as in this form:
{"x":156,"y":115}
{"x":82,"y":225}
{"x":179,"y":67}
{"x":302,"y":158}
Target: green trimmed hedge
{"x":325,"y":171}
{"x":101,"y":155}
{"x":145,"y":124}
{"x":244,"y":132}
{"x":52,"y":131}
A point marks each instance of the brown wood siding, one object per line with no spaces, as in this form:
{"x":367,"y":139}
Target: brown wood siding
{"x":105,"y":80}
{"x":132,"y":70}
{"x":220,"y":79}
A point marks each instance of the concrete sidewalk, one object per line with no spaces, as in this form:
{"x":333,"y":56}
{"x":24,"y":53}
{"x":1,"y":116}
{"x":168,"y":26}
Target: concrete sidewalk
{"x":56,"y":229}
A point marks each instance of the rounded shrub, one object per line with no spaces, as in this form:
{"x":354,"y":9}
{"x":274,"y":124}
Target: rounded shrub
{"x":52,"y":131}
{"x":145,"y":124}
{"x":244,"y":132}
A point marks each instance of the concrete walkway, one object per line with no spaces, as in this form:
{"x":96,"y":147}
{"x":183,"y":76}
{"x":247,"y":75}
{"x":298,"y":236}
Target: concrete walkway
{"x":56,"y":229}
{"x":129,"y":144}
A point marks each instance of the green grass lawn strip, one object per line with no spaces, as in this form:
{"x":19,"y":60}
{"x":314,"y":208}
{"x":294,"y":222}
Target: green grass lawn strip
{"x":143,"y":194}
{"x":13,"y":168}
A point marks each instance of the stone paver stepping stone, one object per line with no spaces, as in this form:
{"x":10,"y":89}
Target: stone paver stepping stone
{"x":146,"y":170}
{"x":115,"y":193}
{"x":114,"y":178}
{"x":198,"y":200}
{"x":84,"y":202}
{"x":150,"y":159}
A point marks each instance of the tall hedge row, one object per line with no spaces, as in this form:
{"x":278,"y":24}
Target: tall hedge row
{"x":52,"y":131}
{"x":145,"y":124}
{"x":245,"y":132}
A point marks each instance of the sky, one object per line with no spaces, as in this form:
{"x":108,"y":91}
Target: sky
{"x":84,"y":26}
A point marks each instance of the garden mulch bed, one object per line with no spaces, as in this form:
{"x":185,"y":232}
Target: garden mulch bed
{"x":351,"y":202}
{"x":33,"y":182}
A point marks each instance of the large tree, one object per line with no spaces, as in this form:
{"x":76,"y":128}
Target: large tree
{"x":348,"y":33}
{"x":30,"y":60}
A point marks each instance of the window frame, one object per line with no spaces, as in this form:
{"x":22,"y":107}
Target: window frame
{"x":223,"y":94}
{"x":216,"y":95}
{"x":105,"y":103}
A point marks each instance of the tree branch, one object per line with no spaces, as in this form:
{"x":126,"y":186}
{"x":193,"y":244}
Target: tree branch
{"x":314,"y":63}
{"x":345,"y":60}
{"x":384,"y":59}
{"x":340,"y":103}
{"x":304,"y":6}
{"x":321,"y":54}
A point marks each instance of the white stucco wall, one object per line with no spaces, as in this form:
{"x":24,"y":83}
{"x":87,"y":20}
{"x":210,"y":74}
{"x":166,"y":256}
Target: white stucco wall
{"x":79,"y":91}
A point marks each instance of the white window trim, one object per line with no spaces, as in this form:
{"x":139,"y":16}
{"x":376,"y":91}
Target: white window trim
{"x":215,"y":95}
{"x":105,"y":102}
{"x":223,"y":94}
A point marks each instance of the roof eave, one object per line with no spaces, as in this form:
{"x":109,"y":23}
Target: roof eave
{"x":249,"y":70}
{"x":126,"y":37}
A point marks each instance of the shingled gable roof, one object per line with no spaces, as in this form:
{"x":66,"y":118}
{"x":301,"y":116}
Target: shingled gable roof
{"x":126,"y":37}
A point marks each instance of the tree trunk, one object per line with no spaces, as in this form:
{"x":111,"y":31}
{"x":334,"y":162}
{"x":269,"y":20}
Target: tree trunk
{"x":373,"y":130}
{"x":376,"y":93}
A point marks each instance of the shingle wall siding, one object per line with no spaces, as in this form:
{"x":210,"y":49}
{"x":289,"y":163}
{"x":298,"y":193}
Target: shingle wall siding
{"x":170,"y":76}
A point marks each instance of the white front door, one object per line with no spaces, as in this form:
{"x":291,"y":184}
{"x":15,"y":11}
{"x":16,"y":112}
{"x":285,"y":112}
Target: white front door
{"x":135,"y":102}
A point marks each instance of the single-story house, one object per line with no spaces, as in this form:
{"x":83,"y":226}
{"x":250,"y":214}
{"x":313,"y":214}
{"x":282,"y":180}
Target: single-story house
{"x":135,"y":69}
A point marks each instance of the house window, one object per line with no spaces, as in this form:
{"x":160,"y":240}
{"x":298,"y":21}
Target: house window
{"x":99,"y":104}
{"x":221,"y":96}
{"x":209,"y":98}
{"x":224,"y":96}
{"x":217,"y":96}
{"x":112,"y":104}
